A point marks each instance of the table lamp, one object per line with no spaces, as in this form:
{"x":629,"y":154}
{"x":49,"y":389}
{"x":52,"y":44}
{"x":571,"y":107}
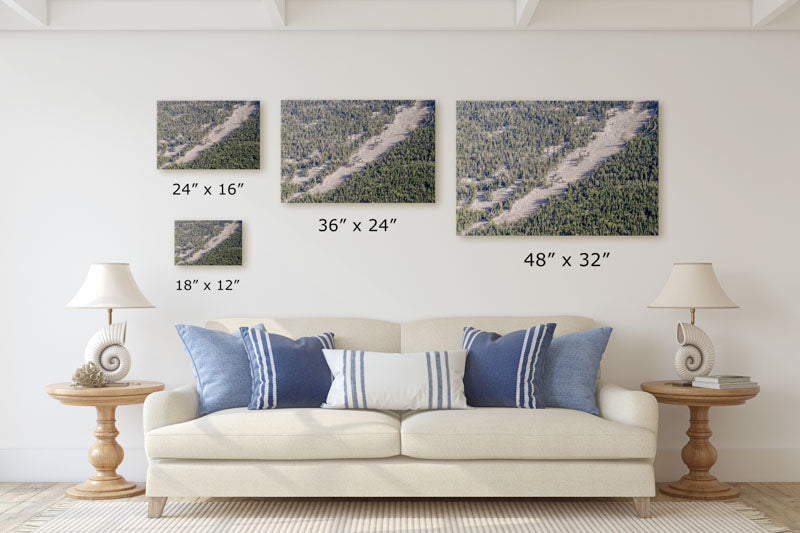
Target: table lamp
{"x":693,"y":286}
{"x":109,"y":286}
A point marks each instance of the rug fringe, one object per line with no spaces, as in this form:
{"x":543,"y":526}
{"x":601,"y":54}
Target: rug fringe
{"x":45,"y":516}
{"x":757,"y":517}
{"x":53,"y":512}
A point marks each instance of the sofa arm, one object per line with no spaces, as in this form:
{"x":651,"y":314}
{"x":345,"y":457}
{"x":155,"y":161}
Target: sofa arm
{"x":635,"y":408}
{"x":171,"y":407}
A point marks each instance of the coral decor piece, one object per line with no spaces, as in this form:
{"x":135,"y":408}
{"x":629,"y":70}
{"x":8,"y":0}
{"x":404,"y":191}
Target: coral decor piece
{"x":89,"y":375}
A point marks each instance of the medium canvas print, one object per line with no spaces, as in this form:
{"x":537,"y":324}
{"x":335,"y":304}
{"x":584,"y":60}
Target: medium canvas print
{"x":557,"y":167}
{"x":208,"y":242}
{"x":208,"y":134}
{"x":358,"y":151}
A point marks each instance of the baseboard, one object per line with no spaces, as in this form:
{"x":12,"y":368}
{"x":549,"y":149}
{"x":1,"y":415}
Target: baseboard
{"x":52,"y":464}
{"x":738,"y":464}
{"x":70,"y":465}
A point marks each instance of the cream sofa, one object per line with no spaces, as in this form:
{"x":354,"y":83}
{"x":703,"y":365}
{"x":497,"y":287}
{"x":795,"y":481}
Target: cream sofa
{"x":481,"y":452}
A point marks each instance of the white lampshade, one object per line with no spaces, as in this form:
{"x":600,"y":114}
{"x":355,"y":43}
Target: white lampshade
{"x":109,"y":286}
{"x":693,"y":286}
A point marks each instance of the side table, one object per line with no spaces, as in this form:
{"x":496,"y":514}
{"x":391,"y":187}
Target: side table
{"x":106,"y":454}
{"x":698,"y":454}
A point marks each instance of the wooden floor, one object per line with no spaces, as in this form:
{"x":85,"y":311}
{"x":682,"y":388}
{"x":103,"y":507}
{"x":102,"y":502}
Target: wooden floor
{"x":21,"y":501}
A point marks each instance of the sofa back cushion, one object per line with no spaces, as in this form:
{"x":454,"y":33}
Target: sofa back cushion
{"x":351,"y":333}
{"x":447,"y":333}
{"x":416,"y":336}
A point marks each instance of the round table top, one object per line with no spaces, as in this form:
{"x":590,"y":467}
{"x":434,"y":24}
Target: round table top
{"x":674,"y":392}
{"x":114,"y":394}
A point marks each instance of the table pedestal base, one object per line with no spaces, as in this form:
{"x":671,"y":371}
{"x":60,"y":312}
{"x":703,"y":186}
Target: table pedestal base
{"x":106,"y":490}
{"x":699,"y":455}
{"x":709,"y":489}
{"x":105,"y":456}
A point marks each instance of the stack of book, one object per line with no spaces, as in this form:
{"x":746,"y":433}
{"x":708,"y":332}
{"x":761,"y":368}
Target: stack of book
{"x":723,"y":382}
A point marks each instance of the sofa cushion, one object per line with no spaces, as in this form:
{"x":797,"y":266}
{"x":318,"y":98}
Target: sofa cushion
{"x":220,"y":365}
{"x":506,"y":370}
{"x":509,"y":433}
{"x":571,"y":367}
{"x":280,"y":434}
{"x":286,"y":372}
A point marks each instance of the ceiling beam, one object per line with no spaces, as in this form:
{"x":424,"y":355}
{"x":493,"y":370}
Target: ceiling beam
{"x":277,"y":11}
{"x":525,"y":9}
{"x":400,"y":14}
{"x":159,"y":15}
{"x":765,"y":11}
{"x":642,"y":15}
{"x":34,"y":11}
{"x":299,"y":15}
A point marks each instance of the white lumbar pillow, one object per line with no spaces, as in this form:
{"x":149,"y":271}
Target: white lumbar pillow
{"x":396,"y":381}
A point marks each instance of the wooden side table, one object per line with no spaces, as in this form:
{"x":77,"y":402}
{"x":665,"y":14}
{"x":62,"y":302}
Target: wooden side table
{"x":698,"y":454}
{"x":106,"y":454}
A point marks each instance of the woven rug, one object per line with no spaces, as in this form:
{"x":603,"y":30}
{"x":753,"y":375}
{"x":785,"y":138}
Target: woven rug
{"x":564,"y":516}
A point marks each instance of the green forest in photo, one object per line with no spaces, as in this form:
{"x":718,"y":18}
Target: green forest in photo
{"x":380,"y":151}
{"x":208,"y":242}
{"x":406,"y":174}
{"x":557,"y":168}
{"x":208,"y":135}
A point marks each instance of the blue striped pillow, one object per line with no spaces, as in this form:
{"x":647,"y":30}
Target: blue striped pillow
{"x":395,"y":381}
{"x":286,"y":372}
{"x":506,"y":371}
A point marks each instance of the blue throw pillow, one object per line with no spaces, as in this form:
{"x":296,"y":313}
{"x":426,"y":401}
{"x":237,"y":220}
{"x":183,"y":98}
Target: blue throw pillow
{"x":286,"y":372}
{"x":571,"y":369}
{"x":220,"y":365}
{"x":506,"y":371}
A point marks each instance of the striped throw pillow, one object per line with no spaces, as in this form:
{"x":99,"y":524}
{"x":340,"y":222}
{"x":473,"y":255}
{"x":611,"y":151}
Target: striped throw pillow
{"x":286,"y":372}
{"x":506,"y":371}
{"x":376,"y":380}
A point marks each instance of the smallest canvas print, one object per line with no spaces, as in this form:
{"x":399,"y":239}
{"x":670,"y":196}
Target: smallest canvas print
{"x":208,"y":242}
{"x":208,"y":134}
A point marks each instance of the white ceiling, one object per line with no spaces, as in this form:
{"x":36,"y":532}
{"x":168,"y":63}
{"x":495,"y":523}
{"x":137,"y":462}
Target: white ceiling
{"x":399,"y":14}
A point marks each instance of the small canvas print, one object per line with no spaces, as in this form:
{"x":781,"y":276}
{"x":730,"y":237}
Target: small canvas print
{"x":557,"y":167}
{"x":358,"y":151}
{"x":208,"y":242}
{"x":208,"y":134}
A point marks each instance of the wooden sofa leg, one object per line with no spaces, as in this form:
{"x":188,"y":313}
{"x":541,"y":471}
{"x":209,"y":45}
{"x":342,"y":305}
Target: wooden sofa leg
{"x":642,"y":506}
{"x":155,"y":506}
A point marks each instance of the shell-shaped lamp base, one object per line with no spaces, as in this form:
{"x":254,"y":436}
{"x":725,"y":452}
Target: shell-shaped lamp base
{"x":106,"y":349}
{"x":695,"y":357}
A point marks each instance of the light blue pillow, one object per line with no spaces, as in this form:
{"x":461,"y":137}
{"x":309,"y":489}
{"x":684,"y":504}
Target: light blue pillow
{"x":220,"y":365}
{"x":286,"y":372}
{"x":570,"y":369}
{"x":506,"y":371}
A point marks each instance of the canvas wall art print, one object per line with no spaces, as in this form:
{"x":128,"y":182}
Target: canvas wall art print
{"x":557,"y":167}
{"x":358,"y":151}
{"x":208,"y":134}
{"x":208,"y":242}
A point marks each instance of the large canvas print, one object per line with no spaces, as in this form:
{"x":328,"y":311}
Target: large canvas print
{"x":557,"y":168}
{"x":208,"y":242}
{"x":357,"y":151}
{"x":208,"y":134}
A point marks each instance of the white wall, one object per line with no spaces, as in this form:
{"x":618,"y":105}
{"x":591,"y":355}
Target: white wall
{"x":77,"y":132}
